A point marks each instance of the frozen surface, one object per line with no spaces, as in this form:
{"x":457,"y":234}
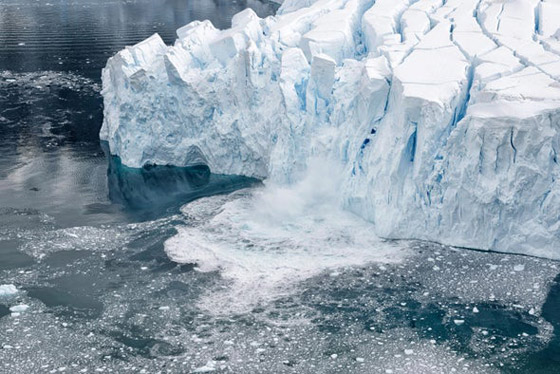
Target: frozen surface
{"x":442,"y":116}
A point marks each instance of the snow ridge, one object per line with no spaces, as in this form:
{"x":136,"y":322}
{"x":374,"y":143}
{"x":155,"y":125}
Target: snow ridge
{"x":444,"y":115}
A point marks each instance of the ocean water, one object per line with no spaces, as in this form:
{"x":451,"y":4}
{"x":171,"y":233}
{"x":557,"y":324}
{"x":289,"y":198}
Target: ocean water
{"x":177,"y":270}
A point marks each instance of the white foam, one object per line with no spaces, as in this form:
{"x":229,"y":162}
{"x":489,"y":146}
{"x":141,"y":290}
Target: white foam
{"x":265,"y":241}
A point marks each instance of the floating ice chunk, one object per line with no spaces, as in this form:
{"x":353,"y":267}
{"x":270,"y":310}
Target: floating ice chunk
{"x":209,"y":367}
{"x":519,"y":267}
{"x":8,"y":290}
{"x":19,"y":308}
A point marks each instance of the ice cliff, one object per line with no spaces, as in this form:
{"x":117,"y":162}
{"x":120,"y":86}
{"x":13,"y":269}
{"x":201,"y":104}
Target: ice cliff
{"x":444,"y":115}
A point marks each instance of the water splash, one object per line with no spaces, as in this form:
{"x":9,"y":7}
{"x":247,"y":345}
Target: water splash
{"x":267,"y":240}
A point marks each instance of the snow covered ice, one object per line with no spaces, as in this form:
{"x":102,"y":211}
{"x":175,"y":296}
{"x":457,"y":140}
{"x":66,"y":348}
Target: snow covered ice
{"x":443,"y":115}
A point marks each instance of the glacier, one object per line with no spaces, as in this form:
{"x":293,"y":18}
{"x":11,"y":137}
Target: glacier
{"x":440,"y":117}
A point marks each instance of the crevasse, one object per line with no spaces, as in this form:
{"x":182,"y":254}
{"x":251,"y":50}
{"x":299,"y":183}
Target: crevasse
{"x":444,"y":115}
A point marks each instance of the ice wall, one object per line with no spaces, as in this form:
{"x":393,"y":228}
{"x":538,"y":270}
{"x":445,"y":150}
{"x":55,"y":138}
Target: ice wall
{"x":443,"y":115}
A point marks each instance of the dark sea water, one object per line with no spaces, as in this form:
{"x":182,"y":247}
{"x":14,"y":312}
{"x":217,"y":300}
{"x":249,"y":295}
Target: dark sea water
{"x":82,"y":239}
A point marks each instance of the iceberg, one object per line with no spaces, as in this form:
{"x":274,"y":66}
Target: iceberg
{"x":443,"y":116}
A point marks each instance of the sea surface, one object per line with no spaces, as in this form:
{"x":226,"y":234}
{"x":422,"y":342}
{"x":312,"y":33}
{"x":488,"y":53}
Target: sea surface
{"x":178,"y":270}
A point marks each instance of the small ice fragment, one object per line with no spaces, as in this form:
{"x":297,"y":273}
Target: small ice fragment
{"x":388,"y":371}
{"x":519,"y":267}
{"x":209,"y":367}
{"x":493,"y":267}
{"x":475,"y":310}
{"x":19,"y":308}
{"x":435,"y":268}
{"x":8,"y":290}
{"x":458,"y":322}
{"x":360,"y":359}
{"x":165,"y":307}
{"x":532,"y":311}
{"x":21,"y":44}
{"x":408,"y":352}
{"x":334,"y":356}
{"x":143,"y":268}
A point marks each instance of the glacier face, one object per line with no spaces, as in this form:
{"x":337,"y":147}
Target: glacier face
{"x":443,"y":115}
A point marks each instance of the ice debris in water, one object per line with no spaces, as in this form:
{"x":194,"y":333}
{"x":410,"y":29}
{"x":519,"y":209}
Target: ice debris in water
{"x":8,"y":290}
{"x":19,"y":308}
{"x":209,"y":367}
{"x":443,"y":114}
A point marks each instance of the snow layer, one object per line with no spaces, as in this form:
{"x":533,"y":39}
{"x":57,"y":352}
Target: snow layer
{"x":443,"y":115}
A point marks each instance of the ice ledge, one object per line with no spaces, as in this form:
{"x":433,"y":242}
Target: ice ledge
{"x":443,"y":115}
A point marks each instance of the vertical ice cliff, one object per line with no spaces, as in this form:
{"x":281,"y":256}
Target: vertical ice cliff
{"x":444,"y":115}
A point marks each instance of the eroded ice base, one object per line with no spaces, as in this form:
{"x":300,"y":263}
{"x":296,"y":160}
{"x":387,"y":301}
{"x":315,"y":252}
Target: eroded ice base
{"x":444,"y":114}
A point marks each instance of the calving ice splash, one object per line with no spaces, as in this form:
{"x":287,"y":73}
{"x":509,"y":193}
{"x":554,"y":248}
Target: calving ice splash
{"x":265,"y":241}
{"x":444,"y":115}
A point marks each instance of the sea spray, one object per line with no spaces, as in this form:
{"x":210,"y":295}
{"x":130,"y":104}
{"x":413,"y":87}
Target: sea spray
{"x":264,"y":241}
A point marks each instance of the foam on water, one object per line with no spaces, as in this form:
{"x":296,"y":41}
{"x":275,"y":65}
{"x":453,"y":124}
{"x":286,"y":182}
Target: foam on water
{"x":264,"y":241}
